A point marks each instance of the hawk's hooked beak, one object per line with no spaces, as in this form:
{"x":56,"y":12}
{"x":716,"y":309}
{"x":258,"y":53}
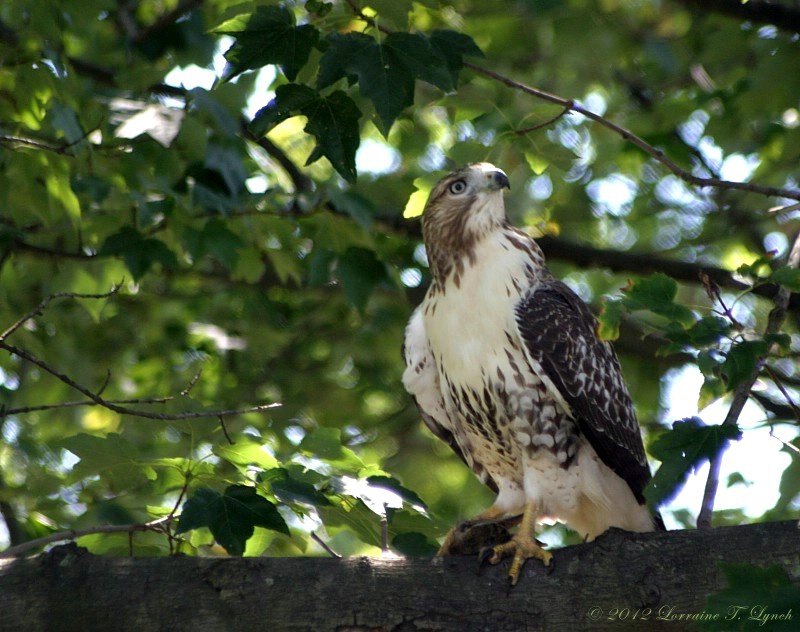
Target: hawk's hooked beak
{"x":498,"y":180}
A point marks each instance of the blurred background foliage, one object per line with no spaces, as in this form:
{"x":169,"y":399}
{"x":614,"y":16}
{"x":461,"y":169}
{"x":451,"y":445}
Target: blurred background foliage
{"x":259,"y":218}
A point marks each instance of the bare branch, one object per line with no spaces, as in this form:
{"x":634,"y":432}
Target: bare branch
{"x":94,"y":398}
{"x":639,"y":142}
{"x":742,"y":393}
{"x":124,"y":410}
{"x":159,"y":525}
{"x":61,"y":148}
{"x":569,"y":105}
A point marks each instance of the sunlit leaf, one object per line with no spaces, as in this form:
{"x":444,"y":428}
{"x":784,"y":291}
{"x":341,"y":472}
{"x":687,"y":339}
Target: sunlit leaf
{"x":332,"y":120}
{"x":289,"y":489}
{"x":326,"y":444}
{"x":246,"y":452}
{"x":392,"y":484}
{"x":610,"y":318}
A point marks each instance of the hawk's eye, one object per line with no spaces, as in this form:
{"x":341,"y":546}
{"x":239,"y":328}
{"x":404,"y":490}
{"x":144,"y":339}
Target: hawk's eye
{"x":459,"y":186}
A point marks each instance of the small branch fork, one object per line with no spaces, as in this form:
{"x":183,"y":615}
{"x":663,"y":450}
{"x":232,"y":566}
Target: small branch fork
{"x":742,"y":393}
{"x":160,"y":526}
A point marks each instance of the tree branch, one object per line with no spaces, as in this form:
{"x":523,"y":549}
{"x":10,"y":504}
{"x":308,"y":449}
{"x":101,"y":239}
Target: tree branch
{"x":36,"y":311}
{"x":778,"y":14}
{"x":742,"y":393}
{"x":95,"y":399}
{"x":159,"y":526}
{"x":585,"y":256}
{"x":639,"y":142}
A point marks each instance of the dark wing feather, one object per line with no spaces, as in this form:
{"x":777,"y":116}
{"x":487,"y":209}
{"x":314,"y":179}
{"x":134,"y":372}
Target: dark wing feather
{"x":560,"y":333}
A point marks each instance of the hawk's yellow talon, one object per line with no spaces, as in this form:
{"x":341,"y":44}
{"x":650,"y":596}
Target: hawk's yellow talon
{"x":523,"y":547}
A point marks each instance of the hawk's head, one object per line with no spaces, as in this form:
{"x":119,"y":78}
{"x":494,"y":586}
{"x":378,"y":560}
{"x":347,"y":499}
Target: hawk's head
{"x":464,"y":206}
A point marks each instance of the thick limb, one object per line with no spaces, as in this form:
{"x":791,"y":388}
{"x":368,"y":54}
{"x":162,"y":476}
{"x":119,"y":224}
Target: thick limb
{"x":522,"y":545}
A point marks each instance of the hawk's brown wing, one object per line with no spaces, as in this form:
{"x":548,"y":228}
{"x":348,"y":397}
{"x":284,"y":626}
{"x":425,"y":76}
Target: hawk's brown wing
{"x":560,"y":334}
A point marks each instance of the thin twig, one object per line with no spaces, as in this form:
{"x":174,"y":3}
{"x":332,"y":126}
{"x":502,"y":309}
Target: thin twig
{"x":124,"y":410}
{"x":325,"y":545}
{"x":62,"y":149}
{"x":776,"y":379}
{"x":36,"y":311}
{"x":224,"y":429}
{"x":550,"y":121}
{"x":194,"y":381}
{"x":742,"y":393}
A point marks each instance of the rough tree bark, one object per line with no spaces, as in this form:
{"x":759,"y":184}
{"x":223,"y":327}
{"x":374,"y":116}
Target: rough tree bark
{"x":620,"y":581}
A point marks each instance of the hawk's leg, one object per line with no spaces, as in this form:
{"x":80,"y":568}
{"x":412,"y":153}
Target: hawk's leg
{"x":522,"y":545}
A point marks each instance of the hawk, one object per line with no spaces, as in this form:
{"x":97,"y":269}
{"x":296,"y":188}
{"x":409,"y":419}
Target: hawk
{"x":505,"y":365}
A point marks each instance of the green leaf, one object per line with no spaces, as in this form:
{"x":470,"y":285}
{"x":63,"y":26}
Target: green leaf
{"x":414,"y":544}
{"x":360,"y":272}
{"x":231,"y":517}
{"x":66,"y":121}
{"x":753,"y":597}
{"x":332,"y":120}
{"x":788,"y":277}
{"x":112,"y":457}
{"x":138,"y":252}
{"x":610,"y":318}
{"x":326,"y":444}
{"x":386,"y":69}
{"x":215,"y":239}
{"x":657,"y":293}
{"x":683,"y":449}
{"x":246,"y":452}
{"x":708,"y":331}
{"x":289,"y":489}
{"x":268,"y":36}
{"x":354,"y":516}
{"x":454,"y":46}
{"x":742,"y":360}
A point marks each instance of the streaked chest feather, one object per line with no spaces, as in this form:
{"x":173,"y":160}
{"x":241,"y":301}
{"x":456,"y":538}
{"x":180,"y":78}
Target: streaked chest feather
{"x":471,"y":320}
{"x":499,"y":403}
